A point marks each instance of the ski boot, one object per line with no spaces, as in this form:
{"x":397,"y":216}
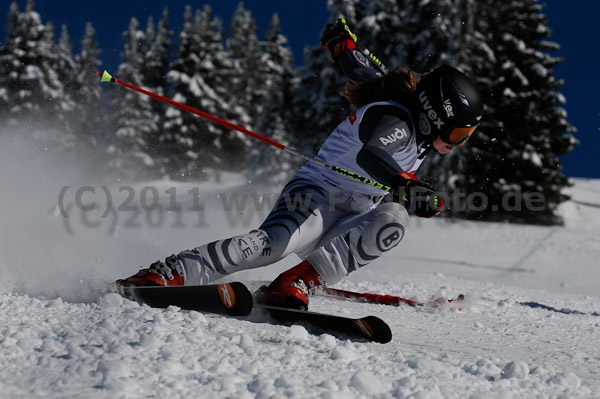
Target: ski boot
{"x":167,"y":273}
{"x":291,"y":288}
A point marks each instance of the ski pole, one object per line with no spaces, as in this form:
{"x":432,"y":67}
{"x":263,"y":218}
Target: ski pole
{"x":106,"y":77}
{"x":387,"y":299}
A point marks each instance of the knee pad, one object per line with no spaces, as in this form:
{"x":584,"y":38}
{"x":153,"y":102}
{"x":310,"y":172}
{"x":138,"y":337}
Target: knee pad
{"x":388,"y":225}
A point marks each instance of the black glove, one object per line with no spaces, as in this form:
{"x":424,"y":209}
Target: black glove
{"x":420,"y":197}
{"x":337,"y":38}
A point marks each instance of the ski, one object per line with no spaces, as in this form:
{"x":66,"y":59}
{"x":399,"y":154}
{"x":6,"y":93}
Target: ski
{"x":370,"y":328}
{"x":231,"y":299}
{"x":390,"y":300}
{"x":234,"y":299}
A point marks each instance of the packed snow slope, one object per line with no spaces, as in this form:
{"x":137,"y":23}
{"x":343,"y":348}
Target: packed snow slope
{"x":63,"y":336}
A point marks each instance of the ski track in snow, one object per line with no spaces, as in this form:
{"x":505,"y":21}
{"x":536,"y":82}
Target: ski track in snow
{"x":63,"y":336}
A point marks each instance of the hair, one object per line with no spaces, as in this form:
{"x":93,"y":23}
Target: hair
{"x":397,"y":85}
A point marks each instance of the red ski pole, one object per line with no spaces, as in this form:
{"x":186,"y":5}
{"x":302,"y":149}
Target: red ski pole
{"x":106,"y":77}
{"x":385,"y":299}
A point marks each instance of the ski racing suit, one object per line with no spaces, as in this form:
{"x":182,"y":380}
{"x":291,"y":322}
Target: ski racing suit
{"x":336,"y":223}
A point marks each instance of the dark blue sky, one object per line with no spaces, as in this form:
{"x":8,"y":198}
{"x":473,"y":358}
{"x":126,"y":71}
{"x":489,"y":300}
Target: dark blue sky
{"x":576,"y":30}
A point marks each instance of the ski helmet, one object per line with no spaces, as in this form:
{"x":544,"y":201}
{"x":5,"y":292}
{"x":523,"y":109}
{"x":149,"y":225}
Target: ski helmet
{"x":448,"y":105}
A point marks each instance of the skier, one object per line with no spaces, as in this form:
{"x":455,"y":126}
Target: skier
{"x":334,"y":223}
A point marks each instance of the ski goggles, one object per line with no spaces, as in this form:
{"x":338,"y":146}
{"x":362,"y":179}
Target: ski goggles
{"x":457,"y":135}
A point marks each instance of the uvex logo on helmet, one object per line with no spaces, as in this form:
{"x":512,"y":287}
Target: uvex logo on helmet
{"x":448,"y":108}
{"x":431,"y":114}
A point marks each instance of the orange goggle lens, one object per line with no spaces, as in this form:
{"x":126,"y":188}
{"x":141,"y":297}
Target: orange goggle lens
{"x":460,"y":134}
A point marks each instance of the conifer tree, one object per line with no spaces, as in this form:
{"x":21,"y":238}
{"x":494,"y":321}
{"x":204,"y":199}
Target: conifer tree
{"x":248,"y":88}
{"x":526,"y":129}
{"x":198,"y":79}
{"x":277,"y":59}
{"x":268,"y":164}
{"x":180,"y":128}
{"x":156,"y":51}
{"x":32,"y":94}
{"x":513,"y":157}
{"x":132,"y":120}
{"x":65,"y":68}
{"x":225,"y":148}
{"x":215,"y":62}
{"x":89,"y":122}
{"x":157,"y":54}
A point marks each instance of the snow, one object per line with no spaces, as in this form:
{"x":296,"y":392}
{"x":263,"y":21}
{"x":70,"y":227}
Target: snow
{"x":62,"y":335}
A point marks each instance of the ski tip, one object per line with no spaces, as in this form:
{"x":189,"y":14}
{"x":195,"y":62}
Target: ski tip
{"x":237,"y":298}
{"x":106,"y":77}
{"x":374,"y":329}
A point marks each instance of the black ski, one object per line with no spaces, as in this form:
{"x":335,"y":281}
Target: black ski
{"x":234,"y":299}
{"x":370,"y":327}
{"x":231,"y":299}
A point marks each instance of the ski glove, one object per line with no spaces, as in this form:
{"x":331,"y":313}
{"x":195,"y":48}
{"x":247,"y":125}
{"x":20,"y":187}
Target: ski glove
{"x":419,"y":197}
{"x":337,"y":37}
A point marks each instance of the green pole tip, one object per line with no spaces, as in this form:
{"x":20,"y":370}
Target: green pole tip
{"x":106,"y":77}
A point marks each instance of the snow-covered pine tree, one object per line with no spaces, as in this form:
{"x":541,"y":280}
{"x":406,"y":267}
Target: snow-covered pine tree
{"x":247,"y":77}
{"x":132,"y":122}
{"x":180,"y":128}
{"x":513,"y":158}
{"x":267,"y":164}
{"x":215,"y":64}
{"x":198,"y":79}
{"x":157,"y":57}
{"x":66,"y":73}
{"x":215,"y":82}
{"x":89,"y":123}
{"x":32,"y":95}
{"x":157,"y":51}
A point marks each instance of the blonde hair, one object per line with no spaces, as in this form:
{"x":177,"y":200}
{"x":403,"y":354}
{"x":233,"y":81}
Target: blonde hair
{"x":396,"y":85}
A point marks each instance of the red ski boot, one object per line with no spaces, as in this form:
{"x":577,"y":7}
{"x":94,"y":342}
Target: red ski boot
{"x":291,"y":288}
{"x":159,"y":273}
